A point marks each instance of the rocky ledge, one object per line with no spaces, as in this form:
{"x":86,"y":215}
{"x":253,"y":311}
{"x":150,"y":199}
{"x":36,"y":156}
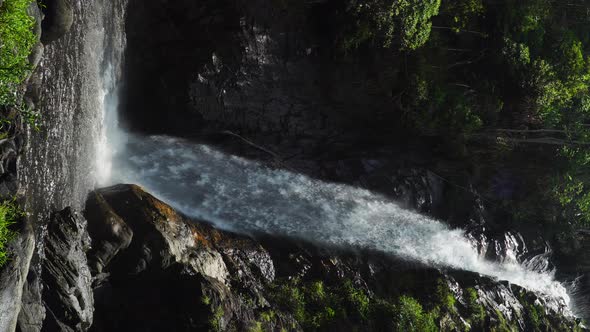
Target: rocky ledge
{"x":138,"y":265}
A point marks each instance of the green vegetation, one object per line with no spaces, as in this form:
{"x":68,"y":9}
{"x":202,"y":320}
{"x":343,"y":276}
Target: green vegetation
{"x":215,"y":318}
{"x":510,"y":77}
{"x":10,"y":214}
{"x":445,"y":296}
{"x":403,"y":24}
{"x":16,"y":42}
{"x":475,"y":310}
{"x":412,"y":318}
{"x":318,"y":307}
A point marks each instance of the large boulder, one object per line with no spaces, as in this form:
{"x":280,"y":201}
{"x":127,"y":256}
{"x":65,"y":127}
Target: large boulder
{"x":169,"y":267}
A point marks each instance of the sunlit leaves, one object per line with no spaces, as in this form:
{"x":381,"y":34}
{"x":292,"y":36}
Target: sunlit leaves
{"x":16,"y":42}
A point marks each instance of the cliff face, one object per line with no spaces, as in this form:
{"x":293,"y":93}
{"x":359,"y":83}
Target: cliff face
{"x":262,"y":68}
{"x":165,"y":271}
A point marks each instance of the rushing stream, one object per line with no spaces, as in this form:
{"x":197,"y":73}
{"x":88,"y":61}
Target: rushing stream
{"x":246,"y":197}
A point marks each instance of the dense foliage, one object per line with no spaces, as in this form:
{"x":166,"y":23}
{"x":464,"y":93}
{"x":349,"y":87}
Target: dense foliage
{"x":17,"y":39}
{"x":513,"y":75}
{"x":317,"y":306}
{"x":16,"y":42}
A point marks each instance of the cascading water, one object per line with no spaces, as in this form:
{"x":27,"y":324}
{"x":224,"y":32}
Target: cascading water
{"x":77,"y":76}
{"x":246,"y":197}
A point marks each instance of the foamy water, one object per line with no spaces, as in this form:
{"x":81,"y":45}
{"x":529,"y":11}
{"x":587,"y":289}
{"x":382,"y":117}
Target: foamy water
{"x":246,"y":197}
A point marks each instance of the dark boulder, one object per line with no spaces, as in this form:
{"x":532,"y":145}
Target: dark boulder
{"x":59,"y":16}
{"x":174,"y":271}
{"x":108,"y":231}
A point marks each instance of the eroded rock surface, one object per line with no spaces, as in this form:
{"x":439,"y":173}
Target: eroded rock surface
{"x":13,"y":277}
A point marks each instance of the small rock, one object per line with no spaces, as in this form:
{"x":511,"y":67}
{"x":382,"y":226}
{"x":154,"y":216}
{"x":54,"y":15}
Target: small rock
{"x":59,"y":16}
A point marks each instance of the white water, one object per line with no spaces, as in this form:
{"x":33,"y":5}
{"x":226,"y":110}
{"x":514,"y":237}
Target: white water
{"x":246,"y":197}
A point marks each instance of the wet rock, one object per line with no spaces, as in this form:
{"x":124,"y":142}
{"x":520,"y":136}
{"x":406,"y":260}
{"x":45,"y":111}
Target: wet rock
{"x":32,"y":314}
{"x":573,"y":261}
{"x":67,"y":291}
{"x":37,"y":15}
{"x":182,"y":264}
{"x":36,"y":55}
{"x":59,"y":16}
{"x":108,"y":231}
{"x":13,"y":277}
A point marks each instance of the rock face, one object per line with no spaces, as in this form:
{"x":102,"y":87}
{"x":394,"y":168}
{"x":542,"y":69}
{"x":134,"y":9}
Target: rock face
{"x":59,"y":16}
{"x":152,"y":269}
{"x":261,"y":68}
{"x":13,"y":277}
{"x":67,"y":291}
{"x":58,"y":295}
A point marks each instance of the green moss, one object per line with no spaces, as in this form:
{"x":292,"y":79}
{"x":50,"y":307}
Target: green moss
{"x":16,"y":43}
{"x":10,"y":213}
{"x":257,"y":327}
{"x":267,"y":316}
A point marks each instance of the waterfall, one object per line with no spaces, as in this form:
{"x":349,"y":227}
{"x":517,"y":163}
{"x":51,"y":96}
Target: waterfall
{"x":246,"y":197}
{"x":77,"y":78}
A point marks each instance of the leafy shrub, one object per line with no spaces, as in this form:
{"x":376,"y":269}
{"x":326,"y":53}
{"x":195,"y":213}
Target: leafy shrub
{"x":16,"y":43}
{"x":444,"y":295}
{"x":357,"y":301}
{"x":411,"y":316}
{"x":10,"y":213}
{"x":475,"y":309}
{"x":405,"y":24}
